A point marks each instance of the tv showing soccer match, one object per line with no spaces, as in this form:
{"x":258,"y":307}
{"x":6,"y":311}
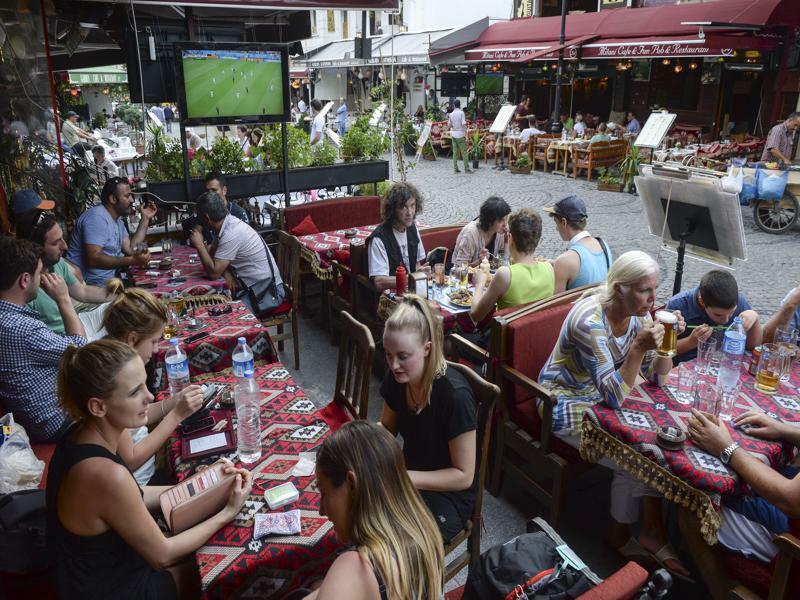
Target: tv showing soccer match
{"x":233,"y":83}
{"x":489,"y":84}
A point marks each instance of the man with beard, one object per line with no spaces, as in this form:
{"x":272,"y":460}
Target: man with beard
{"x":29,"y":351}
{"x":100,"y":244}
{"x":45,"y":231}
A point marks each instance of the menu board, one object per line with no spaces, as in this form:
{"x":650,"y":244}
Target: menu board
{"x":424,"y":134}
{"x":503,"y":117}
{"x":655,"y":129}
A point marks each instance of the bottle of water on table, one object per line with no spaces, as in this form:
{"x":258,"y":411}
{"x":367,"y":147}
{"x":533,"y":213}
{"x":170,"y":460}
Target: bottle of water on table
{"x":730,"y":367}
{"x":248,"y":430}
{"x":243,"y":360}
{"x":177,"y":367}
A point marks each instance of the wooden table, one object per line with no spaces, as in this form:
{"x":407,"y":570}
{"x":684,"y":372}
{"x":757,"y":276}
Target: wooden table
{"x":565,"y":148}
{"x":689,"y":477}
{"x":232,"y":563}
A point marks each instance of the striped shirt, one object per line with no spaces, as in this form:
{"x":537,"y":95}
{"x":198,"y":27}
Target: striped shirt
{"x":583,"y":368}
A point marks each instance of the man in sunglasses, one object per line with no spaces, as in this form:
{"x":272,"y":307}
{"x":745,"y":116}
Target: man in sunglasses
{"x":100,"y":244}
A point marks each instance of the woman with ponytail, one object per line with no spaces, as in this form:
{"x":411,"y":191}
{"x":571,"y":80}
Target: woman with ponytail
{"x":433,"y":408}
{"x":137,"y":318}
{"x":106,"y":543}
{"x":368,"y":495}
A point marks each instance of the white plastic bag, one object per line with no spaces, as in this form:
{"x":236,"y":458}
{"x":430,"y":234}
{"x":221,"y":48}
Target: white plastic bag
{"x":19,"y":467}
{"x":732,"y":182}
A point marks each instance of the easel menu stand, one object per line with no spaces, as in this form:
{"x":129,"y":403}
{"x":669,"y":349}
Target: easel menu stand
{"x":499,"y":127}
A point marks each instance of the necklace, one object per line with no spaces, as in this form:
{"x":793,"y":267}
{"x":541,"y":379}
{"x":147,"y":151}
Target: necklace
{"x":415,"y":404}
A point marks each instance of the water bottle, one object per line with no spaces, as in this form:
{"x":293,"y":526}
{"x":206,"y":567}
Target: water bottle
{"x":563,"y":134}
{"x":177,"y":367}
{"x":248,"y":433}
{"x":242,"y":359}
{"x":732,"y":353}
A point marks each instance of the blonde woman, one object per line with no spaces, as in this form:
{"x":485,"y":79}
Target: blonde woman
{"x":606,"y":346}
{"x":369,"y":497}
{"x":137,"y":318}
{"x":433,"y":408}
{"x":106,"y":543}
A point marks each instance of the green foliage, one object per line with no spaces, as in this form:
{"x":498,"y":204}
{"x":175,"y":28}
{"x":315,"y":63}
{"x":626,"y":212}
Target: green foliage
{"x":629,"y":167}
{"x":608,"y":176}
{"x":523,"y":161}
{"x":99,"y":121}
{"x":471,"y":111}
{"x":165,"y":157}
{"x":493,"y":103}
{"x":130,"y":114}
{"x":323,"y":154}
{"x":225,"y":156}
{"x":299,"y":152}
{"x":383,"y":187}
{"x":363,"y":142}
{"x":476,"y":146}
{"x":434,"y":112}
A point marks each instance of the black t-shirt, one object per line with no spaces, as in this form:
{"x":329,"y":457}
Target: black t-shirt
{"x":426,"y":435}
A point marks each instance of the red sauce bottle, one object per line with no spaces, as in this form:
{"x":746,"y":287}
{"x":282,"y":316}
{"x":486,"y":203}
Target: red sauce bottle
{"x":402,"y":280}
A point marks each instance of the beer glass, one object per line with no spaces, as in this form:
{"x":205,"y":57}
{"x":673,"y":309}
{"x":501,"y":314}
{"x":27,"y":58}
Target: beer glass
{"x":770,"y":367}
{"x":463,"y":274}
{"x":786,"y":338}
{"x":670,"y":342}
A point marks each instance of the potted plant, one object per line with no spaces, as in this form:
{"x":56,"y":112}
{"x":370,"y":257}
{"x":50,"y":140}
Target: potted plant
{"x":608,"y":180}
{"x":476,"y":149}
{"x":522,"y":164}
{"x":629,"y":168}
{"x":363,"y":141}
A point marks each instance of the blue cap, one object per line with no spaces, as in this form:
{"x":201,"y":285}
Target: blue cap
{"x":174,"y":341}
{"x":572,"y":208}
{"x":241,"y":340}
{"x":24,"y":200}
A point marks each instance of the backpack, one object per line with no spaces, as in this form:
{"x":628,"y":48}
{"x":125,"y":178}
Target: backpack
{"x":536,"y":565}
{"x":23,"y":542}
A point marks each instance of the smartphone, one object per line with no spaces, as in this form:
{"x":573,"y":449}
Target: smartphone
{"x":178,"y":280}
{"x":196,"y":337}
{"x":198,"y":425}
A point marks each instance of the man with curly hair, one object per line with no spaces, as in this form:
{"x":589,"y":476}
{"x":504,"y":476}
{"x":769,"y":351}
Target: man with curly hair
{"x":396,"y":241}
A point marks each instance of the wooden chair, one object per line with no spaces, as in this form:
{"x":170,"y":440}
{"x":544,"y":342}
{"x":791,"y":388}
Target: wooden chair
{"x":486,"y":395}
{"x":598,"y":154}
{"x":356,"y":349}
{"x":287,"y":314}
{"x":540,"y":146}
{"x":339,"y":298}
{"x":780,"y":588}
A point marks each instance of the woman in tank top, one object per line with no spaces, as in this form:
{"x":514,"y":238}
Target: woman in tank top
{"x":527,"y":279}
{"x":106,"y":542}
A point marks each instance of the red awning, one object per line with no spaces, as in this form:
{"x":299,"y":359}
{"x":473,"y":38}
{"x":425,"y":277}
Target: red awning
{"x":549,"y":52}
{"x":283,"y":4}
{"x":504,"y":52}
{"x":658,"y":21}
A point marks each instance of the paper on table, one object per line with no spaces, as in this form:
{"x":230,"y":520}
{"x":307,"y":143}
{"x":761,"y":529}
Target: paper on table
{"x":154,"y":249}
{"x":306,"y":465}
{"x":208,"y":442}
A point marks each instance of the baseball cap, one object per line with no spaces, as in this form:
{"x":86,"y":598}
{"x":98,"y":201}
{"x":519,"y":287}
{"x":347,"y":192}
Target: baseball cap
{"x":71,"y":113}
{"x":571,"y":208}
{"x":25,"y":200}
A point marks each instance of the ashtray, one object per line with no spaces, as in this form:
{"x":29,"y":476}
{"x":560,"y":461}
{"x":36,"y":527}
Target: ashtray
{"x":350,"y":233}
{"x":670,"y":438}
{"x":165,"y":264}
{"x":194,"y":323}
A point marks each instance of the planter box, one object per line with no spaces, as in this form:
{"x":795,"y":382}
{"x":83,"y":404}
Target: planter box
{"x":247,"y":185}
{"x":525,"y":170}
{"x":475,"y":164}
{"x":609,"y":187}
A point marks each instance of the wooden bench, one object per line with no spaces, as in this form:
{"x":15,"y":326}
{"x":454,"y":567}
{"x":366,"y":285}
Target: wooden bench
{"x":598,"y":154}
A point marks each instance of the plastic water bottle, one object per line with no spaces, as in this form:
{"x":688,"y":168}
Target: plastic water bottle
{"x":563,"y":134}
{"x":248,"y":403}
{"x":177,"y":367}
{"x":732,"y":353}
{"x":242,"y":359}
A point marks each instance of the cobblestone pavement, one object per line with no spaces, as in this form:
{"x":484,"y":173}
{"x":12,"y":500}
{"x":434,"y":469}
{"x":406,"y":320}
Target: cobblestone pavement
{"x":618,"y":218}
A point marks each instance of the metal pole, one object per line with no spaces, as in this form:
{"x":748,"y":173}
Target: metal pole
{"x":391,"y":111}
{"x":286,"y":195}
{"x":555,"y":126}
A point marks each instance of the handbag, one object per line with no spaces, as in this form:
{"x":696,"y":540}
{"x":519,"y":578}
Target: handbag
{"x":266,"y":295}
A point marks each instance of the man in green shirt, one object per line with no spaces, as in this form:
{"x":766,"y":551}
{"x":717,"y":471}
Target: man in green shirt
{"x":46,"y":232}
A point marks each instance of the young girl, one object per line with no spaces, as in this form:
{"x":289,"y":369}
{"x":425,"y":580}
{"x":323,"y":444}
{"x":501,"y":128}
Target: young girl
{"x":367,"y":494}
{"x":107,"y":545}
{"x":137,"y":318}
{"x":433,"y":408}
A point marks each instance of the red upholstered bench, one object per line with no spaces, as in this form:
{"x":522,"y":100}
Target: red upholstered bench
{"x":778,"y":579}
{"x":334,"y":213}
{"x":44,"y":452}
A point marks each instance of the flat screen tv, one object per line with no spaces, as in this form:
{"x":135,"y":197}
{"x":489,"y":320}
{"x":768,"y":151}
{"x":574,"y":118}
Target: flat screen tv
{"x":489,"y":84}
{"x":233,"y":83}
{"x":455,"y":84}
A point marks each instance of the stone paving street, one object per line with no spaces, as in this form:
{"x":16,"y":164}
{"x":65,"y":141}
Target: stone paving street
{"x":618,"y":218}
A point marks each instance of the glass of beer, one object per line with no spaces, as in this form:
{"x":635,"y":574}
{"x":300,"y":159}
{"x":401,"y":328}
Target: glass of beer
{"x":770,"y":367}
{"x":670,"y":342}
{"x":178,"y":303}
{"x":463,"y":275}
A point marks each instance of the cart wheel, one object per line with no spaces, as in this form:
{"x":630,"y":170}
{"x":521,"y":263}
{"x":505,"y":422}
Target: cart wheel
{"x":776,"y":217}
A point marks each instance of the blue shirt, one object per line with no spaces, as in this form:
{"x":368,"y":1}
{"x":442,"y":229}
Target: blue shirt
{"x":694,"y":314}
{"x":795,"y":322}
{"x":633,"y":126}
{"x":341,"y":114}
{"x":29,"y":357}
{"x":96,"y":227}
{"x":594,"y":265}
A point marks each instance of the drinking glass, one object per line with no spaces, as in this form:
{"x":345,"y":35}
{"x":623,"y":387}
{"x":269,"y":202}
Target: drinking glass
{"x":770,"y":367}
{"x":669,"y":342}
{"x":686,"y":380}
{"x":166,"y":247}
{"x":140,"y":248}
{"x":714,"y":361}
{"x":727,"y":399}
{"x":439,"y":279}
{"x":463,"y":275}
{"x":786,"y":338}
{"x":706,"y":396}
{"x":705,"y":349}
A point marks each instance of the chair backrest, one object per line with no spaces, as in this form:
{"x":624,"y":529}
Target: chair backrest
{"x":445,"y":237}
{"x":356,"y":350}
{"x":288,"y":261}
{"x":334,"y":213}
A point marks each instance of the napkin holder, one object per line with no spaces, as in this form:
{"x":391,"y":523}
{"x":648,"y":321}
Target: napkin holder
{"x":197,"y":497}
{"x":418,"y":283}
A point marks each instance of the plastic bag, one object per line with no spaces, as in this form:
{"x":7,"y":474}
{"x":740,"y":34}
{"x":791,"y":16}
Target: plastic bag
{"x":19,"y":467}
{"x":771,"y":184}
{"x":732,"y":182}
{"x":749,"y":189}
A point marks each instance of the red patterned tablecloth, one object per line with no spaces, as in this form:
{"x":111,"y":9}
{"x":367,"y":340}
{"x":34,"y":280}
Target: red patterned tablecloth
{"x":320,"y":249}
{"x":690,"y":476}
{"x":452,"y":321}
{"x":213,"y":353}
{"x":184,"y":259}
{"x":232,"y":562}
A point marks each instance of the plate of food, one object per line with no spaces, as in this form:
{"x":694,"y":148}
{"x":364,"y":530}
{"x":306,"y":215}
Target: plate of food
{"x":461,"y":298}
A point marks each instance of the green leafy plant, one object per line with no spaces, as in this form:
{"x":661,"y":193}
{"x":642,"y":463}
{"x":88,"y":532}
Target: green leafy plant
{"x":434,"y":112}
{"x":299,"y":147}
{"x":608,"y":176}
{"x":130,"y":114}
{"x":383,"y":187}
{"x":363,"y":141}
{"x":629,"y":167}
{"x":471,"y":111}
{"x":225,"y":156}
{"x":99,"y":121}
{"x":476,"y":146}
{"x":165,"y":156}
{"x":323,"y":154}
{"x":523,"y":161}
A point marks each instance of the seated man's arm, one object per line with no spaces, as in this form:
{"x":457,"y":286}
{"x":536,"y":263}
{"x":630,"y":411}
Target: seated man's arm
{"x":379,"y":267}
{"x":96,"y":259}
{"x":784,"y":316}
{"x":89,"y":293}
{"x":214,"y":267}
{"x":55,"y":287}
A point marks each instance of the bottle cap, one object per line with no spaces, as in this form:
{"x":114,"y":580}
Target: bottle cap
{"x":174,"y":341}
{"x":241,"y":340}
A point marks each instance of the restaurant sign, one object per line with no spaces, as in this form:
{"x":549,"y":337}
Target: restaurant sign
{"x":509,"y":54}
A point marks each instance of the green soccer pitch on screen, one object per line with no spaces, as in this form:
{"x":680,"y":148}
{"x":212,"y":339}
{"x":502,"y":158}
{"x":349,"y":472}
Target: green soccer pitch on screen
{"x":232,"y":84}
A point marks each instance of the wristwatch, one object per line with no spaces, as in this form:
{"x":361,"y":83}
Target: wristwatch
{"x":725,"y":457}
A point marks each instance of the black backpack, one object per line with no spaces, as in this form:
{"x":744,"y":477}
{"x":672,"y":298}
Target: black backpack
{"x":528,"y":566}
{"x":23,"y":542}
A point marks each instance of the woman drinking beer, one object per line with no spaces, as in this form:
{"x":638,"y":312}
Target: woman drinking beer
{"x":607,"y":346}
